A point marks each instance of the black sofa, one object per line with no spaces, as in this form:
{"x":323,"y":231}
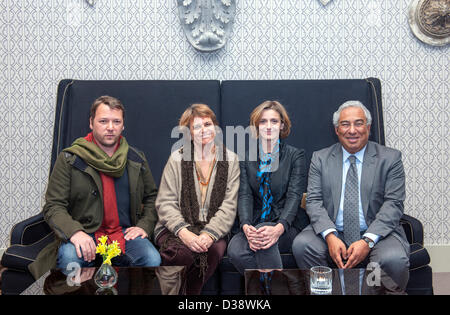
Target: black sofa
{"x":152,"y":111}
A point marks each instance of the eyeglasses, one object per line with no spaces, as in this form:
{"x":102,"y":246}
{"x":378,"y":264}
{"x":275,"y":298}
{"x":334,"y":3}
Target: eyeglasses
{"x":347,"y":124}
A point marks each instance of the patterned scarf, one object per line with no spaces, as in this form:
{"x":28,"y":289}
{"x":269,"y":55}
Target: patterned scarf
{"x":189,"y":205}
{"x":264,"y":177}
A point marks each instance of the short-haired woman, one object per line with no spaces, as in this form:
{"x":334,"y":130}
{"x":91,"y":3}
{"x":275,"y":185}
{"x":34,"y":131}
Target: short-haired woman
{"x":270,"y":193}
{"x":197,"y":199}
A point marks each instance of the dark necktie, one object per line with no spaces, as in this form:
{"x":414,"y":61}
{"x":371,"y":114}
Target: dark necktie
{"x":351,"y":204}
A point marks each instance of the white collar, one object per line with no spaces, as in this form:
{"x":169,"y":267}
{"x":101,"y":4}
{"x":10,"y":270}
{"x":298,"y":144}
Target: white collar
{"x":359,"y":155}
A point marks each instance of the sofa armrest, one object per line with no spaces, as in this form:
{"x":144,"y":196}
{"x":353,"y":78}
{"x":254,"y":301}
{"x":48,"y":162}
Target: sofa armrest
{"x":29,"y":231}
{"x":413,"y":229}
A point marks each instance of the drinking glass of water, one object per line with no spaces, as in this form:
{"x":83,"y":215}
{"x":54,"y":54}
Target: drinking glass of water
{"x":321,"y":279}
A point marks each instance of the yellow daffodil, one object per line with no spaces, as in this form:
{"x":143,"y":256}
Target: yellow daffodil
{"x":108,"y":251}
{"x":107,"y":260}
{"x":103,"y":239}
{"x":101,"y":249}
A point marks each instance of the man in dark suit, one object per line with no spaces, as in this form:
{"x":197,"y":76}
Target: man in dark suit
{"x":356,"y":190}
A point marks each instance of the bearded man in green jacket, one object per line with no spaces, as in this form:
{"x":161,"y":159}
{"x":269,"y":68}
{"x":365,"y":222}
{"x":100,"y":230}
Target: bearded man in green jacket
{"x":100,"y":186}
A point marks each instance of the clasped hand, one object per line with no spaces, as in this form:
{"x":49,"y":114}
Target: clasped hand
{"x":196,"y":243}
{"x":264,"y":237}
{"x":356,"y":252}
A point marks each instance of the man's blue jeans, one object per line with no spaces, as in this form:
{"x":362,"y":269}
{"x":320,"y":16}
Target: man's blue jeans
{"x":138,"y":252}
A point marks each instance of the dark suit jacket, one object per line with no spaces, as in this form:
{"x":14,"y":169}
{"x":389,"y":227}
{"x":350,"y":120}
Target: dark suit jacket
{"x":382,"y":189}
{"x":288,"y":183}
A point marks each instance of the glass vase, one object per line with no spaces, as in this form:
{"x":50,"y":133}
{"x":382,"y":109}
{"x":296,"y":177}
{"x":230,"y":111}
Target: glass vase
{"x":106,"y":276}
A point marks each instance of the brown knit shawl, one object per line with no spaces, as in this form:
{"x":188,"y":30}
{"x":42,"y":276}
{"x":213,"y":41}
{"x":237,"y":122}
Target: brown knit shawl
{"x":190,"y":207}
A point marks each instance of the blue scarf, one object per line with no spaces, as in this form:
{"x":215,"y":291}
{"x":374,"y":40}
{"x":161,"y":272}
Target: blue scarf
{"x":264,"y":177}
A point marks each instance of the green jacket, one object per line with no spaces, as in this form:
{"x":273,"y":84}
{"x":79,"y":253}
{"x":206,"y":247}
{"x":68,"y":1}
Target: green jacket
{"x":74,"y":202}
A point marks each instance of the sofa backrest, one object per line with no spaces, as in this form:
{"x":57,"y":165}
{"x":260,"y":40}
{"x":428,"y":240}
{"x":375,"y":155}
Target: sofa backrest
{"x":152,"y":110}
{"x":154,"y":107}
{"x":309,"y":103}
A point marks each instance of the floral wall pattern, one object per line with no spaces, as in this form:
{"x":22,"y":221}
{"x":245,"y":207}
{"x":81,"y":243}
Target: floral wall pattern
{"x":44,"y":41}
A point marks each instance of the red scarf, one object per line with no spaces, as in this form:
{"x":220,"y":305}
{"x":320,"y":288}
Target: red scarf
{"x":110,"y":224}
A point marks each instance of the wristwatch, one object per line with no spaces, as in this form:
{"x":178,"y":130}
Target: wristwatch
{"x":369,"y":242}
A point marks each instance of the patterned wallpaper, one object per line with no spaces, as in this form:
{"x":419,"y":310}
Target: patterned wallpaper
{"x":44,"y":41}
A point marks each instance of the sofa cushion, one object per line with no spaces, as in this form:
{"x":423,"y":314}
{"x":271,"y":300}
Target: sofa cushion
{"x":413,"y":229}
{"x":29,"y":231}
{"x":419,"y":256}
{"x":18,"y":257}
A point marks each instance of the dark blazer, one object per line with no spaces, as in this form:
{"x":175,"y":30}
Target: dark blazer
{"x":288,"y":183}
